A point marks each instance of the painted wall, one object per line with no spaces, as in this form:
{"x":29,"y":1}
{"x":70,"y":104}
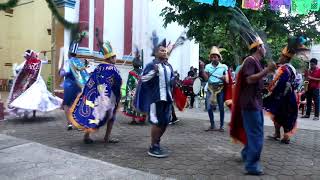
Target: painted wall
{"x":147,"y":19}
{"x":114,"y":25}
{"x":26,"y":29}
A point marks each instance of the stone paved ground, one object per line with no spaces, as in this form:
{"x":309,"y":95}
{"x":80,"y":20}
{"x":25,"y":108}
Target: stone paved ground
{"x":194,"y":154}
{"x":25,"y":160}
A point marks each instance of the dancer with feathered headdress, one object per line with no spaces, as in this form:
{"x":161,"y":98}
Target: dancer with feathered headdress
{"x":75,"y":77}
{"x":154,"y":96}
{"x":247,"y":119}
{"x":132,"y":82}
{"x":281,"y":102}
{"x":97,"y":105}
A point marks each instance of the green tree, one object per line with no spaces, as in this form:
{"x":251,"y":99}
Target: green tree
{"x":209,"y":25}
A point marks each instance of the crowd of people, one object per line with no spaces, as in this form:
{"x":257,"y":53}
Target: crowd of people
{"x":92,"y":100}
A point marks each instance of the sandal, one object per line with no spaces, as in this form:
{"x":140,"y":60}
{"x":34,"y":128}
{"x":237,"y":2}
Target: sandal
{"x":285,"y":141}
{"x":274,"y":138}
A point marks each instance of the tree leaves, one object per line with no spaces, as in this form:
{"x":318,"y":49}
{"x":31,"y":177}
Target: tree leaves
{"x":61,"y":19}
{"x":208,"y":25}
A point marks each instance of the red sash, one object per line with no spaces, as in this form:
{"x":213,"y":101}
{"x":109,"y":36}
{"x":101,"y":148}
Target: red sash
{"x":228,"y":90}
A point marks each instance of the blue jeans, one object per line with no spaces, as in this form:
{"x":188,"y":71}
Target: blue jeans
{"x":220,"y":100}
{"x":253,"y":125}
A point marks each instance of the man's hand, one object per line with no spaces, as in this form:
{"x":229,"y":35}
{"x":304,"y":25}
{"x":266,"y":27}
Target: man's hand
{"x":156,"y":68}
{"x":256,"y":77}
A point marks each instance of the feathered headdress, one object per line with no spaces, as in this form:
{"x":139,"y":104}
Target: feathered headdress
{"x":163,"y":43}
{"x":107,"y":50}
{"x":155,"y":41}
{"x":296,"y":47}
{"x":239,"y":24}
{"x":180,"y":41}
{"x":137,"y":58}
{"x":76,"y":40}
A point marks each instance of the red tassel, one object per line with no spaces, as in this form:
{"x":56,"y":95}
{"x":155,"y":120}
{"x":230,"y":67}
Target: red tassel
{"x":228,"y":90}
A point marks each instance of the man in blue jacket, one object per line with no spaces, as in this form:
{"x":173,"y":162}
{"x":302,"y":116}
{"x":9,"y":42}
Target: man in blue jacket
{"x":154,"y":96}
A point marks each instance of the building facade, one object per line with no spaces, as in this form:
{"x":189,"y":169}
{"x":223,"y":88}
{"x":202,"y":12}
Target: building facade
{"x":127,"y":24}
{"x":26,"y":26}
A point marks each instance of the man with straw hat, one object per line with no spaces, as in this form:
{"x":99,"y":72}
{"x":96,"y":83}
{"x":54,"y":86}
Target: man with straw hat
{"x":216,"y":75}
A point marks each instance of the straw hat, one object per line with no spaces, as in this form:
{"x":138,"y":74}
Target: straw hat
{"x":215,"y":50}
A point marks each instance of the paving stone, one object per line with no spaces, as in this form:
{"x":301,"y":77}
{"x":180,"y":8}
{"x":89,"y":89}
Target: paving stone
{"x":287,"y":172}
{"x":194,"y":154}
{"x":299,"y":177}
{"x":303,"y":172}
{"x":284,"y":177}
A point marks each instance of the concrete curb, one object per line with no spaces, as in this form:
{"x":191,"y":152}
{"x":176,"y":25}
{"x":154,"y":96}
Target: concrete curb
{"x":21,"y":159}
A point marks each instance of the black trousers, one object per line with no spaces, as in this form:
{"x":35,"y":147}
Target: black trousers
{"x":313,"y":94}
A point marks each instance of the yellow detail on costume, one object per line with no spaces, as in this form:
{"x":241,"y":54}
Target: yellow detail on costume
{"x":90,"y":103}
{"x":94,"y":121}
{"x":274,"y":82}
{"x":102,"y":89}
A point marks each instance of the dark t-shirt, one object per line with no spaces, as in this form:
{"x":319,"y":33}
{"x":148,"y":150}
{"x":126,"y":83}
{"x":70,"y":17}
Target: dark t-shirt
{"x":251,"y":94}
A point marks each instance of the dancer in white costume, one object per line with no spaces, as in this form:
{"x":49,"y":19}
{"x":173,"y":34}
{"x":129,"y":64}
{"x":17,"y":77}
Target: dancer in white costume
{"x":29,"y":92}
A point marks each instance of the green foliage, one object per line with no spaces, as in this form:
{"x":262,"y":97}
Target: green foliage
{"x":209,"y":25}
{"x":9,"y":4}
{"x":55,"y":13}
{"x":298,"y":63}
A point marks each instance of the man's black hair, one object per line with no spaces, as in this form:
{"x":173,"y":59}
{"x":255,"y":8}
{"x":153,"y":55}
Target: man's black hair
{"x":314,"y":60}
